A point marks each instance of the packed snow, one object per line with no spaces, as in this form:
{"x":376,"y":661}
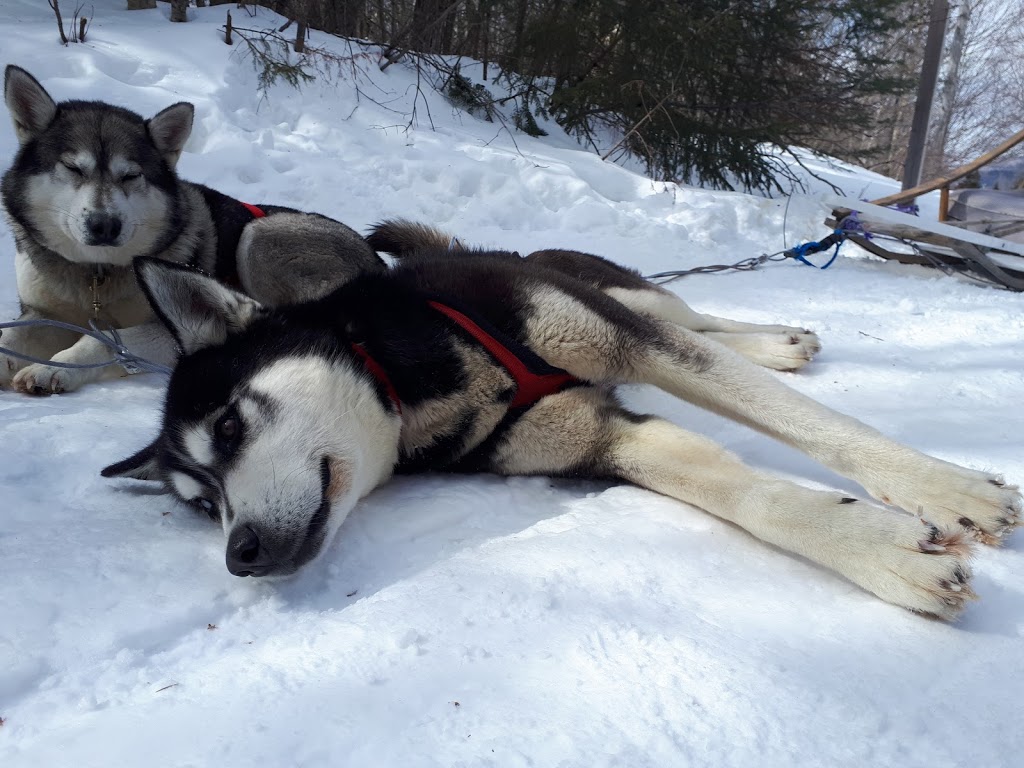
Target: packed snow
{"x":490,"y":621}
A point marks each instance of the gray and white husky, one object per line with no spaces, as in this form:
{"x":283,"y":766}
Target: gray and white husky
{"x":93,"y":186}
{"x":277,"y":421}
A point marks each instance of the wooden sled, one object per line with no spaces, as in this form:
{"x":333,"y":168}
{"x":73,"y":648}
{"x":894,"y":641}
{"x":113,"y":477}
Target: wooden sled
{"x":945,"y":243}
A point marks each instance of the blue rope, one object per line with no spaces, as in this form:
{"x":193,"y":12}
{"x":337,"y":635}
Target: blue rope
{"x":800,"y":252}
{"x":130,"y":362}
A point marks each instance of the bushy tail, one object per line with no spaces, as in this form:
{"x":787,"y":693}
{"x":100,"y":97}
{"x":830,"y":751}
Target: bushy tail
{"x":400,"y":237}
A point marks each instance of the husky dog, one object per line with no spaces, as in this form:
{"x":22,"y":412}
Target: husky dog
{"x":93,"y":186}
{"x":277,"y":421}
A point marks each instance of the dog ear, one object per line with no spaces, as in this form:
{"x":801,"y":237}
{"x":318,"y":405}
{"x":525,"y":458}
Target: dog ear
{"x":141,"y":466}
{"x":170,"y":128}
{"x":197,"y":310}
{"x":31,"y":107}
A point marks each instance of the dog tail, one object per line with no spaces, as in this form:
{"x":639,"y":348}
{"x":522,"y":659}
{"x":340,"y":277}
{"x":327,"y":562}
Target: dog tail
{"x":401,"y":237}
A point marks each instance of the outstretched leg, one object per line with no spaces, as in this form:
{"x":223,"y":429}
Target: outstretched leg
{"x":602,"y":342}
{"x":583,"y":432}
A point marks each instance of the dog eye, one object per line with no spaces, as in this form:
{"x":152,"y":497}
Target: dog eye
{"x":208,"y":507}
{"x":73,"y":168}
{"x":228,"y":430}
{"x":132,"y":176}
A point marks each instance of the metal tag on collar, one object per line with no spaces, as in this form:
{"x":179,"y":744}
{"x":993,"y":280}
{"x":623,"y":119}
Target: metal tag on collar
{"x":98,"y":278}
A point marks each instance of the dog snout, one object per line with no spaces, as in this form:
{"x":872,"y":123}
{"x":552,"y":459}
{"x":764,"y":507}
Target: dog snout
{"x":247,"y":555}
{"x":103,"y":228}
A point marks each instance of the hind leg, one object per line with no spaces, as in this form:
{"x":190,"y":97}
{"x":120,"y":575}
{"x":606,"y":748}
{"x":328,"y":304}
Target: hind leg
{"x":290,"y":257}
{"x":583,"y":432}
{"x":602,"y":342}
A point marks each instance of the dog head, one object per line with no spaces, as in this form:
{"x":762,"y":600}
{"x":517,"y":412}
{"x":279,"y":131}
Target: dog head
{"x":93,"y":182}
{"x":271,"y":425}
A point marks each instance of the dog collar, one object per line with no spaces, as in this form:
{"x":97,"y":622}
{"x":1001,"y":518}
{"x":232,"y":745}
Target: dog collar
{"x":378,"y":372}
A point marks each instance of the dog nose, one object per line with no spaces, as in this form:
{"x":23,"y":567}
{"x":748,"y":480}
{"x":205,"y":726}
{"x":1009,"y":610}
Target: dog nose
{"x":103,"y":228}
{"x":246,"y":556}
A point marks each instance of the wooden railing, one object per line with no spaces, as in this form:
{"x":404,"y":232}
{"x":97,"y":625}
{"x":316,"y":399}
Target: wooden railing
{"x":943,"y":182}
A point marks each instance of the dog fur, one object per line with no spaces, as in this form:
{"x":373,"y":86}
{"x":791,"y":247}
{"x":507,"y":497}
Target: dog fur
{"x":276,"y":426}
{"x":93,"y":186}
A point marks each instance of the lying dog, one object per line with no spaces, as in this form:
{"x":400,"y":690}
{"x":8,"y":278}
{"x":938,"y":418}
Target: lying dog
{"x":92,"y":187}
{"x":483,"y":361}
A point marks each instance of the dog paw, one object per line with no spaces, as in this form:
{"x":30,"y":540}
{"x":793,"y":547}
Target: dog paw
{"x":931,"y":575}
{"x":788,"y":351}
{"x":37,"y":379}
{"x":919,"y":567}
{"x":9,"y":366}
{"x":979,"y":503}
{"x":800,"y":347}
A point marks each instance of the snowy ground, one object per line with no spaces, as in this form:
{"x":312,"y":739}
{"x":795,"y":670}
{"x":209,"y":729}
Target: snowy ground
{"x":490,"y":621}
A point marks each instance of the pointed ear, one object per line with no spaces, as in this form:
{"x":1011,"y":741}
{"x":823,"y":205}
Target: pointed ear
{"x":197,"y":310}
{"x":141,"y":466}
{"x":31,"y":107}
{"x":170,"y":128}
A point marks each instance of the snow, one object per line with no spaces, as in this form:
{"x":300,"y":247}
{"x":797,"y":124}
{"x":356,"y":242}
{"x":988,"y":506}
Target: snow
{"x":487,"y":621}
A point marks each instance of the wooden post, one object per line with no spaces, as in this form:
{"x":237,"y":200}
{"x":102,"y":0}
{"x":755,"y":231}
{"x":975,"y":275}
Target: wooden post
{"x":944,"y":203}
{"x":925,"y":93}
{"x":227,"y":30}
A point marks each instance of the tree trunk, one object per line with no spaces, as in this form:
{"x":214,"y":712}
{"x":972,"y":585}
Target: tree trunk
{"x":515,"y":58}
{"x":485,"y":33}
{"x":179,"y":10}
{"x":925,"y":93}
{"x":55,"y":5}
{"x":428,"y":25}
{"x":141,"y":5}
{"x":949,"y":82}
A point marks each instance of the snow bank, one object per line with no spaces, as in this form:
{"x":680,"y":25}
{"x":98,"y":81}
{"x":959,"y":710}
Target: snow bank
{"x":489,"y":621}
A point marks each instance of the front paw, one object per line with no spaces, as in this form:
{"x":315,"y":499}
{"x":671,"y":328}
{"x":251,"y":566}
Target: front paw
{"x":785,"y":352}
{"x":37,"y":379}
{"x":978,"y":502}
{"x":926,"y":570}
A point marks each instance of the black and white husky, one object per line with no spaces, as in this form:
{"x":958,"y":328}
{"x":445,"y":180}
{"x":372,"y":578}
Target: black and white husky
{"x":93,"y":186}
{"x":277,"y":421}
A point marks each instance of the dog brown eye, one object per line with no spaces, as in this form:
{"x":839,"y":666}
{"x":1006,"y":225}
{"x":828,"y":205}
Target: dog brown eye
{"x":73,"y":168}
{"x":131,"y":177}
{"x":227,"y":428}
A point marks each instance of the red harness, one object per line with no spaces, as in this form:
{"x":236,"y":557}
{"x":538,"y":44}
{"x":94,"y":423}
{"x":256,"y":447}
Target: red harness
{"x":257,"y":212}
{"x":530,"y":386}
